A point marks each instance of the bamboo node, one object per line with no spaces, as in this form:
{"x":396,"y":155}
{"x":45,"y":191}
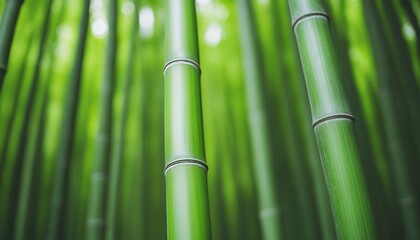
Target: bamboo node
{"x":185,"y":161}
{"x":95,"y":222}
{"x":102,"y":137}
{"x":181,"y":61}
{"x":332,"y":117}
{"x":99,"y":176}
{"x":309,"y":15}
{"x":267,"y":212}
{"x":407,"y":201}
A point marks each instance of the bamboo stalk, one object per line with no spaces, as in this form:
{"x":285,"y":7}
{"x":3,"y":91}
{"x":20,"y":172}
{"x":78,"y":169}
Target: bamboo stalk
{"x":406,"y":199}
{"x":187,"y":201}
{"x":118,"y":153}
{"x":13,"y":114}
{"x":293,"y":90}
{"x":332,"y":121}
{"x":34,"y":144}
{"x":59,"y":194}
{"x":409,"y":89}
{"x":269,"y":211}
{"x":96,"y":207}
{"x":7,"y":30}
{"x":19,"y":159}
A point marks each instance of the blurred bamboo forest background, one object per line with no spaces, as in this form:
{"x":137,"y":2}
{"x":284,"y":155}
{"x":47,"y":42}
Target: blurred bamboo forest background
{"x":378,"y":48}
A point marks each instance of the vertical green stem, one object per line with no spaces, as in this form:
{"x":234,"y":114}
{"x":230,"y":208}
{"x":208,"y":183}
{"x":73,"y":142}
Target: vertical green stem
{"x":187,"y":202}
{"x":19,"y":159}
{"x":35,"y":138}
{"x":7,"y":30}
{"x":332,"y":121}
{"x":59,"y":196}
{"x":13,"y":114}
{"x":269,"y":211}
{"x":406,"y":199}
{"x":118,"y":153}
{"x":96,"y":206}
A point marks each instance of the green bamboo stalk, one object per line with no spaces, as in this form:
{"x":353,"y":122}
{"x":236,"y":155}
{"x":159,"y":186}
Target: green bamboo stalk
{"x":13,"y":114}
{"x":118,"y":153}
{"x":410,"y":91}
{"x":367,"y":129}
{"x":269,"y":210}
{"x":7,"y":30}
{"x":152,"y":134}
{"x":19,"y":158}
{"x":34,"y":144}
{"x":332,"y":121}
{"x":96,"y":208}
{"x":59,"y":196}
{"x":299,"y":114}
{"x":406,"y":199}
{"x":77,"y":197}
{"x":187,"y":201}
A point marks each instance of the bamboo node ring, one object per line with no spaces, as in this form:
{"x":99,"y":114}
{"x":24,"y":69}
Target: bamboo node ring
{"x":95,"y":222}
{"x":407,"y":201}
{"x":99,"y":176}
{"x":181,"y":61}
{"x":185,"y":161}
{"x":268,"y":212}
{"x":308,"y":15}
{"x":331,"y":117}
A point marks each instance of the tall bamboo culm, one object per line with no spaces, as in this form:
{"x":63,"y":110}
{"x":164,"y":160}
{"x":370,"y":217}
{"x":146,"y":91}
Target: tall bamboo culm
{"x":19,"y":189}
{"x":7,"y":30}
{"x":393,"y":127}
{"x":187,"y":202}
{"x":269,"y":211}
{"x":97,"y":199}
{"x":58,"y":199}
{"x":118,"y":154}
{"x":332,"y":121}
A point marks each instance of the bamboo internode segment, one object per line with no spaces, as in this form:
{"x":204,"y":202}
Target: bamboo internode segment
{"x":181,"y":61}
{"x":333,"y":117}
{"x":327,"y":96}
{"x":186,"y":161}
{"x":181,"y":39}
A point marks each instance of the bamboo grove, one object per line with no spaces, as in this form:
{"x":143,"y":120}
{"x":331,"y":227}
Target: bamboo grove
{"x":209,"y":119}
